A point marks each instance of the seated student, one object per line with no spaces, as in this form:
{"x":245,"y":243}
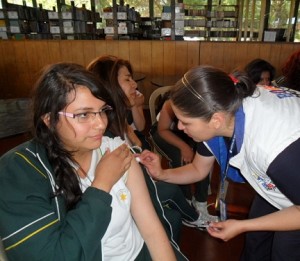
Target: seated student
{"x":116,"y":74}
{"x":179,"y":150}
{"x":260,"y":72}
{"x":70,"y":193}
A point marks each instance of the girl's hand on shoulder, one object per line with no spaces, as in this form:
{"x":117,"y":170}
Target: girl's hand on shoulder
{"x":112,"y":167}
{"x":152,"y":162}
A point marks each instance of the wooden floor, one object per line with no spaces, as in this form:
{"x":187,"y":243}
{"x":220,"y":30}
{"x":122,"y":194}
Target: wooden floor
{"x":200,"y":246}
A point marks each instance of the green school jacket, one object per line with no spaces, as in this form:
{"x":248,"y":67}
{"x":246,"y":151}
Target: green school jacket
{"x":34,"y":225}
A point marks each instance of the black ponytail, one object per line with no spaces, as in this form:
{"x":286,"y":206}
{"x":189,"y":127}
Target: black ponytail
{"x":204,"y":90}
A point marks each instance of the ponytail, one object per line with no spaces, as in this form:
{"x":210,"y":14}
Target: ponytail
{"x":244,"y":84}
{"x":204,"y":90}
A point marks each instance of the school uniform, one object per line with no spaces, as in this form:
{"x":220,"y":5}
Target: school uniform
{"x":35,"y":225}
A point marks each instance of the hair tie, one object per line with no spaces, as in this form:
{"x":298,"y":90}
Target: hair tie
{"x":235,"y":80}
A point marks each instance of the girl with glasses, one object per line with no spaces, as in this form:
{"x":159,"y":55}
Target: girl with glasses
{"x":71,"y":193}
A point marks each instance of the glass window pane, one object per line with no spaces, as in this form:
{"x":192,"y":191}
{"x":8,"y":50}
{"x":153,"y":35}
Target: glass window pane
{"x":140,"y":6}
{"x":79,"y":3}
{"x":48,"y":5}
{"x":158,"y":6}
{"x":279,"y":14}
{"x":20,"y":2}
{"x":297,"y":30}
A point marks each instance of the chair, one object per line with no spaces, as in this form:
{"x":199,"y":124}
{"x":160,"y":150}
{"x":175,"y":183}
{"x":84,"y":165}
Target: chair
{"x":159,"y":92}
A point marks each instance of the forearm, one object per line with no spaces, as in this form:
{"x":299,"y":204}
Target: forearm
{"x":138,"y":117}
{"x":186,"y":174}
{"x":135,"y":141}
{"x":172,"y":138}
{"x":283,"y":220}
{"x":158,"y":244}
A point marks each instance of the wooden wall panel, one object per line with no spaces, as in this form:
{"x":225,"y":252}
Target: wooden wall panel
{"x":250,"y":51}
{"x":205,"y":53}
{"x":181,"y":62}
{"x":7,"y":69}
{"x":169,"y":58}
{"x":124,"y":50}
{"x":157,"y":58}
{"x":135,"y":55}
{"x":145,"y":57}
{"x":193,"y":54}
{"x":54,"y":51}
{"x":89,"y":51}
{"x":20,"y":70}
{"x":230,"y":58}
{"x":37,"y":57}
{"x":3,"y":76}
{"x":112,"y":47}
{"x":100,"y":48}
{"x":20,"y":61}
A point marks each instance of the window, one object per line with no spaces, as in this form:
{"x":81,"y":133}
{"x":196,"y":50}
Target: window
{"x":47,"y":4}
{"x":158,"y":6}
{"x":20,"y":2}
{"x":140,"y":6}
{"x":79,"y":3}
{"x":297,"y":29}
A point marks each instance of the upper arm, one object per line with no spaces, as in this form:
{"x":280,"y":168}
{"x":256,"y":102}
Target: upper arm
{"x":141,"y":202}
{"x":284,"y":172}
{"x":142,"y":208}
{"x":203,"y":164}
{"x":166,"y":117}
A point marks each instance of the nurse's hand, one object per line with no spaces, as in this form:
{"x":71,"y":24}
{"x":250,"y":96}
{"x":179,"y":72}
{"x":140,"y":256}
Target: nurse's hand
{"x":225,"y":230}
{"x":152,"y":163}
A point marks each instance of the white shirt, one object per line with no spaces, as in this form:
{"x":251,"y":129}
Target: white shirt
{"x":269,"y":130}
{"x":122,"y":240}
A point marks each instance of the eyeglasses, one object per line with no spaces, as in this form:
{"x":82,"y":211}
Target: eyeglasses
{"x":86,"y":117}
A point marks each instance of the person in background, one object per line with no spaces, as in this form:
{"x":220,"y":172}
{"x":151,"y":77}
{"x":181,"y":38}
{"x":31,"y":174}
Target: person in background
{"x":253,"y":129}
{"x":179,"y":149}
{"x":117,"y":75}
{"x":290,"y":73}
{"x":70,"y":193}
{"x":260,"y":72}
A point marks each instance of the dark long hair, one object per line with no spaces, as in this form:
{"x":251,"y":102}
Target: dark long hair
{"x":291,"y":71}
{"x":256,"y":67}
{"x":204,"y":90}
{"x":50,"y":97}
{"x":107,"y":68}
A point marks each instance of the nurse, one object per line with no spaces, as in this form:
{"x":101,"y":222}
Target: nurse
{"x":249,"y":130}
